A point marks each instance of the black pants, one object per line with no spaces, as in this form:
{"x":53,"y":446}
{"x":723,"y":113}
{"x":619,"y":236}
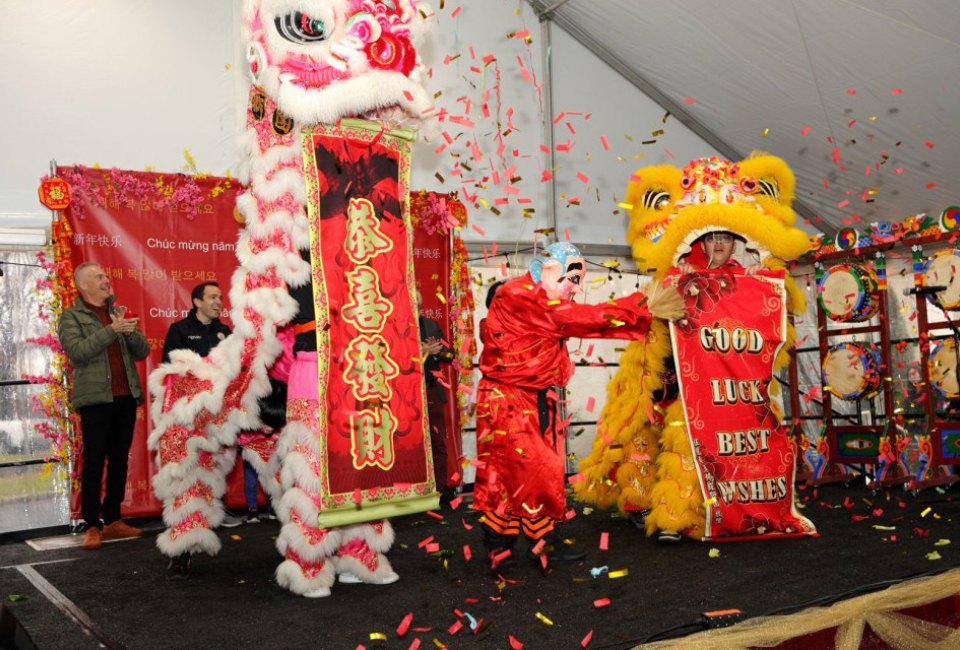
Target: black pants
{"x":107,"y":431}
{"x":438,"y":435}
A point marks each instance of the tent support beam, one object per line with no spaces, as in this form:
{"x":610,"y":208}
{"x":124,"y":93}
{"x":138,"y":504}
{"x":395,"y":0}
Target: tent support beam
{"x":546,"y":14}
{"x":547,"y":127}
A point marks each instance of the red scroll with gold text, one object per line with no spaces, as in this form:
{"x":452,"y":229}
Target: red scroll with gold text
{"x":374,"y":446}
{"x":725,"y":349}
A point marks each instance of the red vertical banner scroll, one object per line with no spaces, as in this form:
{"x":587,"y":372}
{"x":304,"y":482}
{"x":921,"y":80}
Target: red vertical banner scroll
{"x":157,"y":236}
{"x":725,"y":347}
{"x":375,"y":456}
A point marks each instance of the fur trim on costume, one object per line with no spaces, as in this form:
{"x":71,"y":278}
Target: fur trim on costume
{"x":360,"y":566}
{"x":378,"y":535}
{"x":291,"y":576}
{"x":197,"y":540}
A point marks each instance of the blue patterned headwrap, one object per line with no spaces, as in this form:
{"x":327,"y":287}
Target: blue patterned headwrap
{"x":558,"y":252}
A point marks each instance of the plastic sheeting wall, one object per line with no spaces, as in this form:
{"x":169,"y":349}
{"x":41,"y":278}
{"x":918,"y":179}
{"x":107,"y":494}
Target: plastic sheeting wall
{"x":31,"y":495}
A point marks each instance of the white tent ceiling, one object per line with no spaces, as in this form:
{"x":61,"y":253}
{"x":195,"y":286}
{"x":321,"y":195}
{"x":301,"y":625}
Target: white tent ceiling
{"x":861,"y":97}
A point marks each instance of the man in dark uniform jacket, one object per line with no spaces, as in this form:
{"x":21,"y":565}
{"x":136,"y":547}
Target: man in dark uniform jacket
{"x":434,"y":352}
{"x":201,"y":330}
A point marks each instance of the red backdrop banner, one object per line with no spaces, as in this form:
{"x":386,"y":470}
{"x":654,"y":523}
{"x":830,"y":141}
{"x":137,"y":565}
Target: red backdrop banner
{"x":726,"y":347}
{"x":157,"y":236}
{"x":431,"y":263}
{"x":373,"y":444}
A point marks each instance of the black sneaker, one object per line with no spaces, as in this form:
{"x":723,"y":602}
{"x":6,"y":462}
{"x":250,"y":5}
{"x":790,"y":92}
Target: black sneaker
{"x":179,"y":567}
{"x":669,"y":537}
{"x":253,"y":517}
{"x":639,"y":518}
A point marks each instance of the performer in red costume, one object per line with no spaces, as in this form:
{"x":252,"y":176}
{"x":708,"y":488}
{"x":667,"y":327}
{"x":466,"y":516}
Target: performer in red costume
{"x":520,"y":475}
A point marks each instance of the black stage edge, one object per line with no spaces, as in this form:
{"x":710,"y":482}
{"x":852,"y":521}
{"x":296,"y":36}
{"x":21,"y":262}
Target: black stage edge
{"x":232,"y":601}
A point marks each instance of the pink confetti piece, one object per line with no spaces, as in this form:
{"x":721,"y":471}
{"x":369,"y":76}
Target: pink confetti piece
{"x":589,"y":350}
{"x":604,"y":541}
{"x":455,"y":12}
{"x":467,"y":553}
{"x":851,"y":91}
{"x":688,"y":100}
{"x":514,"y":644}
{"x":477,"y":229}
{"x":843,"y":203}
{"x":404,"y":626}
{"x":896,"y":91}
{"x":415,"y":645}
{"x":523,"y":33}
{"x":586,"y":640}
{"x":605,"y":142}
{"x":591,"y":402}
{"x":601,"y":602}
{"x":806,"y":131}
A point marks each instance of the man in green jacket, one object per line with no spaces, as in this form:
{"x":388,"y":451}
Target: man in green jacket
{"x":102,"y":346}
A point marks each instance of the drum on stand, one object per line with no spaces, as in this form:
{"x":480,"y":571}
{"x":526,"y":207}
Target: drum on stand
{"x":943,"y":369}
{"x":943,"y":270}
{"x":851,"y":371}
{"x":849,"y":293}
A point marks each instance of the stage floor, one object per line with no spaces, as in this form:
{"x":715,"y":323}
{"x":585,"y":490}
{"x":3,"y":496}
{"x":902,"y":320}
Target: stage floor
{"x":231,"y":601}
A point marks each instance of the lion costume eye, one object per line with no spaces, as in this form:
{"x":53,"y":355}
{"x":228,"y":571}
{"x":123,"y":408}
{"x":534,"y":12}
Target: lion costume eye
{"x":300,"y":28}
{"x":769,"y":187}
{"x":656,"y":199}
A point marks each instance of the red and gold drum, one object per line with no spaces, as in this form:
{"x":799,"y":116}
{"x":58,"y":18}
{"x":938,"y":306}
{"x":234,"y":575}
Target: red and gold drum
{"x":849,"y":293}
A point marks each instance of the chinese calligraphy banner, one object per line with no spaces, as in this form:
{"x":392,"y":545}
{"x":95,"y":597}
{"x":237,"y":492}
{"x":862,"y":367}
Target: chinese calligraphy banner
{"x":374,"y":446}
{"x":157,"y":236}
{"x":725,"y":349}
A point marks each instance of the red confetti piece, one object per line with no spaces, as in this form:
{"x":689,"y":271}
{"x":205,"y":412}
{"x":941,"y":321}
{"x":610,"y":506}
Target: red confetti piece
{"x":456,"y":627}
{"x":586,"y":640}
{"x":806,"y":131}
{"x":455,"y":12}
{"x":467,"y":553}
{"x":896,"y":91}
{"x":929,"y":144}
{"x":516,"y":645}
{"x":415,"y":645}
{"x":851,"y":91}
{"x":404,"y":626}
{"x":455,"y":503}
{"x":605,"y":142}
{"x":688,"y":100}
{"x":566,"y":234}
{"x":477,"y":229}
{"x":930,"y":186}
{"x":604,"y":541}
{"x":601,"y":602}
{"x":583,"y":178}
{"x":590,"y":404}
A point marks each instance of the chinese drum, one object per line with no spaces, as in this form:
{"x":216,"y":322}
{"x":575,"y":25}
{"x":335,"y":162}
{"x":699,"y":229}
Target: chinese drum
{"x":943,"y":270}
{"x":851,"y":371}
{"x":943,"y":369}
{"x":848,"y":293}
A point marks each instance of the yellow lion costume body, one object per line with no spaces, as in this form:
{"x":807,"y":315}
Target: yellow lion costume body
{"x":641,"y":459}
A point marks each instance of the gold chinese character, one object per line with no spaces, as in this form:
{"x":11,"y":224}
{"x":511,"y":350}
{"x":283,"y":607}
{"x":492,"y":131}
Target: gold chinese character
{"x":364,"y":237}
{"x":372,"y":438}
{"x":370,"y":368}
{"x":366,"y":310}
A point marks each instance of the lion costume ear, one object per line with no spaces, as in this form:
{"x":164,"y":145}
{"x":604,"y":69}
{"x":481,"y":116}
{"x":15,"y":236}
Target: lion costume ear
{"x":774,"y":178}
{"x":651,"y":194}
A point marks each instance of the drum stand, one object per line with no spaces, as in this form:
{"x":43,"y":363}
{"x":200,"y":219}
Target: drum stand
{"x":934,"y":467}
{"x":835,"y":458}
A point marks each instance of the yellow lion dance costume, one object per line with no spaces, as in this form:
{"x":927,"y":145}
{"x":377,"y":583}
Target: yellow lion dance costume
{"x":641,"y":459}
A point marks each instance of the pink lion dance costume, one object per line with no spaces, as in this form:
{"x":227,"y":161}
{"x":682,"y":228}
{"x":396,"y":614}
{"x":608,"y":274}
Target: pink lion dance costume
{"x":311,"y":62}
